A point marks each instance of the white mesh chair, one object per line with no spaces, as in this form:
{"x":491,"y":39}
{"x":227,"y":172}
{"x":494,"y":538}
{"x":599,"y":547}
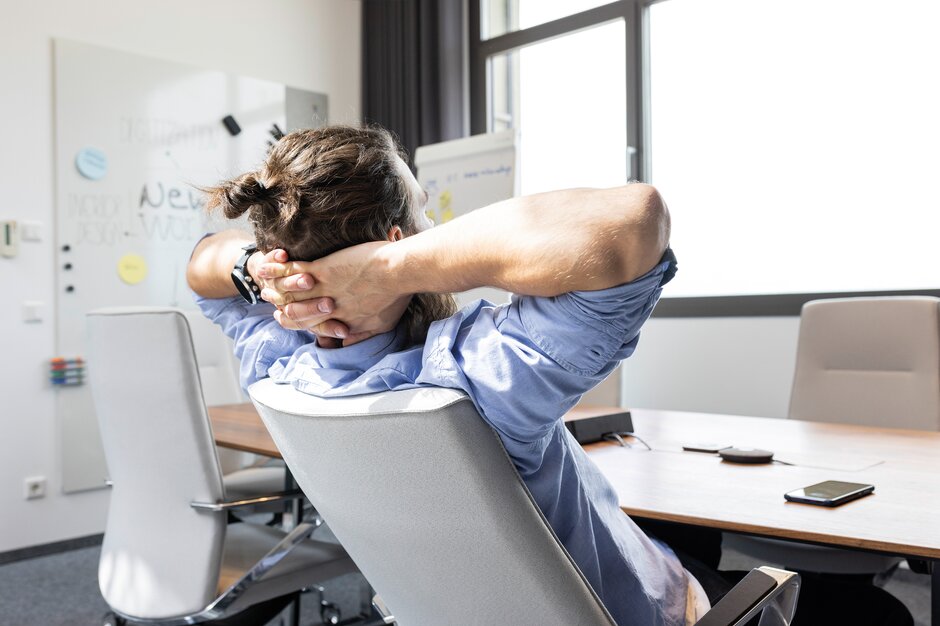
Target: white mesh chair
{"x":168,"y":555}
{"x":421,"y":493}
{"x":866,"y":361}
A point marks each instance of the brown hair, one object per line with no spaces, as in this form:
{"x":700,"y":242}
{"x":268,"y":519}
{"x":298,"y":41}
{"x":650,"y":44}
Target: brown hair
{"x":324,"y":189}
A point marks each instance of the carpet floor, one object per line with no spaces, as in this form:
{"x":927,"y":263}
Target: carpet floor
{"x":62,"y":590}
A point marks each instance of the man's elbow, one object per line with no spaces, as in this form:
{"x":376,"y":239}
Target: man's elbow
{"x":647,"y":226}
{"x":651,"y":214}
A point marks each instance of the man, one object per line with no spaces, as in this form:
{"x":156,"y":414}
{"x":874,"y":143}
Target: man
{"x":587,"y":266}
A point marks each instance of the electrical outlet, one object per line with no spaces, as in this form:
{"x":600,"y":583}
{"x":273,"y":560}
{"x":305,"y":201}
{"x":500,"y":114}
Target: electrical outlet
{"x":34,"y":487}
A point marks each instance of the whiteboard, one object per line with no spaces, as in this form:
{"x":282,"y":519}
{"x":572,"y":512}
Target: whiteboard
{"x":134,"y":138}
{"x":466,"y":174}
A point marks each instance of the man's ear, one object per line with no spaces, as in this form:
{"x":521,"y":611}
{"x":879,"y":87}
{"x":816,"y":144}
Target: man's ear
{"x":394,"y":233}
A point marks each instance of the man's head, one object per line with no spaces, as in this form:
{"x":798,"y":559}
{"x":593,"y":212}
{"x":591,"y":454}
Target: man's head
{"x":325,"y":189}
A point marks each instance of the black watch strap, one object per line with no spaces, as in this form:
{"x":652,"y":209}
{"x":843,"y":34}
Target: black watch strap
{"x":245,"y":284}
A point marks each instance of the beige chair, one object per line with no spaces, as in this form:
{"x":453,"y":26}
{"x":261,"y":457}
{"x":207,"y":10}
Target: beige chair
{"x":420,"y":491}
{"x":168,"y":556}
{"x":868,"y":361}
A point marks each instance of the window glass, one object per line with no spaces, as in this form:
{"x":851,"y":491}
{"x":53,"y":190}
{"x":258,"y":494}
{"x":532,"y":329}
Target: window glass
{"x":567,"y":98}
{"x":796,"y":143}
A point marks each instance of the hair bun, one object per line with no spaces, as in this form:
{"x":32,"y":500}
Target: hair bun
{"x":235,"y":197}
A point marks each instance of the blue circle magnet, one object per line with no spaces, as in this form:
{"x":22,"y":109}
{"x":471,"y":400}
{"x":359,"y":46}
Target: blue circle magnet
{"x":91,"y":163}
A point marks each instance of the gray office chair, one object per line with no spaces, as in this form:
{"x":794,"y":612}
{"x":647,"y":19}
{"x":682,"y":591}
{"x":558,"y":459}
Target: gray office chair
{"x":168,"y":556}
{"x":867,"y":361}
{"x":423,"y":496}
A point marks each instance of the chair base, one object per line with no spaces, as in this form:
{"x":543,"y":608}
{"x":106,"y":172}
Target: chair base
{"x":260,"y":613}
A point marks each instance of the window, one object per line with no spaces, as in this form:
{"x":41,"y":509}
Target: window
{"x":795,"y":144}
{"x":803,"y":140}
{"x":557,"y":72}
{"x":569,"y":109}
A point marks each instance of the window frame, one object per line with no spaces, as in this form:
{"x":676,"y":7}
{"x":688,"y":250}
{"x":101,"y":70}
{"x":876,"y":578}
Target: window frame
{"x":635,"y":14}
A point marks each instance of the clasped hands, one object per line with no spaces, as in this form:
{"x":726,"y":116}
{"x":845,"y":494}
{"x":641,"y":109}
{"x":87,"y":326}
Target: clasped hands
{"x":342,"y":298}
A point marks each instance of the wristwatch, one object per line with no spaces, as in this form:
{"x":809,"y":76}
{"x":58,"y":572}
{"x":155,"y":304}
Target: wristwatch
{"x":245,"y":284}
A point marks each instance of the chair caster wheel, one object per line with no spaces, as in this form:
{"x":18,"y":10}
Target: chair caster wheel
{"x":329,"y":613}
{"x":110,"y":619}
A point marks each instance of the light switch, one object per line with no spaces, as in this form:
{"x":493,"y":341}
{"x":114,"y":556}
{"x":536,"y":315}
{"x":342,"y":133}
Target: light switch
{"x":9,"y":239}
{"x":32,"y":311}
{"x":30,"y":230}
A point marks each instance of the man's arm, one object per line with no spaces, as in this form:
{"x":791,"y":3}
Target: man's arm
{"x":541,"y":245}
{"x":210,"y":266}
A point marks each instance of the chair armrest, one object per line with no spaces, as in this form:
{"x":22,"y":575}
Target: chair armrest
{"x":294,"y":494}
{"x":764,"y":588}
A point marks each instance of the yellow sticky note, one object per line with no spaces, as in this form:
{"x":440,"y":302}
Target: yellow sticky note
{"x":132,"y":268}
{"x":444,"y":202}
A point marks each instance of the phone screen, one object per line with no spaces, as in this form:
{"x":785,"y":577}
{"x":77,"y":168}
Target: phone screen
{"x":830,"y":491}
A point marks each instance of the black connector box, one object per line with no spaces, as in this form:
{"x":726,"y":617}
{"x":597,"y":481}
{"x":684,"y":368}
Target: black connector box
{"x":592,"y":429}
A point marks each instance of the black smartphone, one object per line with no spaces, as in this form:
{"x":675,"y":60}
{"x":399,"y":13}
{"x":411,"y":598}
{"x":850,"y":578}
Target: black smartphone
{"x":829,"y":493}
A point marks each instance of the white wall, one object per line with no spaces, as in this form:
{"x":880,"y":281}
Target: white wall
{"x":310,"y":44}
{"x":735,"y":365}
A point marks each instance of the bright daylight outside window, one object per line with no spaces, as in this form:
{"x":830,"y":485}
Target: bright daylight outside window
{"x":567,"y":98}
{"x":797,"y":144}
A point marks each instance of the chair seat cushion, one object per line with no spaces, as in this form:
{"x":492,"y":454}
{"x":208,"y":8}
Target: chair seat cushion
{"x":253,"y":481}
{"x":312,"y":562}
{"x":811,"y":558}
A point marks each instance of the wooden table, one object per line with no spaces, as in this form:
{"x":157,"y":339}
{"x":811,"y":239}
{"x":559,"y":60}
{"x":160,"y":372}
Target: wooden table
{"x":902,"y":517}
{"x":239,"y":426}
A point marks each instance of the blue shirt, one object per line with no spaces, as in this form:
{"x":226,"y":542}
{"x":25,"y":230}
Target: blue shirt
{"x":524,"y":365}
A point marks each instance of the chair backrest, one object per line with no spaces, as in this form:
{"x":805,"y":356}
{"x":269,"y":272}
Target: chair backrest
{"x":870,"y":361}
{"x":424,"y":498}
{"x":160,"y":557}
{"x":218,"y":371}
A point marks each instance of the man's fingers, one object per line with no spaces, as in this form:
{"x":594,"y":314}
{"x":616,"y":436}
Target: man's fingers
{"x":280,"y":270}
{"x":277,"y":298}
{"x":294,"y":282}
{"x":331,"y":328}
{"x":310,"y":312}
{"x":273,"y":270}
{"x":274,"y":256}
{"x":317,"y":325}
{"x":287,"y":322}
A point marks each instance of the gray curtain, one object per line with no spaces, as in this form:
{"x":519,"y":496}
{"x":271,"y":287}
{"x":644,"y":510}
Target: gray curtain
{"x":413,"y":69}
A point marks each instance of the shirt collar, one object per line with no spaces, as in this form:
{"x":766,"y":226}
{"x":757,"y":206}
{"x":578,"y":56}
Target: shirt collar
{"x":365,"y":354}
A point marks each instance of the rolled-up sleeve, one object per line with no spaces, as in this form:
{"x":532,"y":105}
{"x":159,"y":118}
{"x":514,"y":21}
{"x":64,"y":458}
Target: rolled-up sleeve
{"x":259,"y":339}
{"x":585,"y":331}
{"x":528,"y":363}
